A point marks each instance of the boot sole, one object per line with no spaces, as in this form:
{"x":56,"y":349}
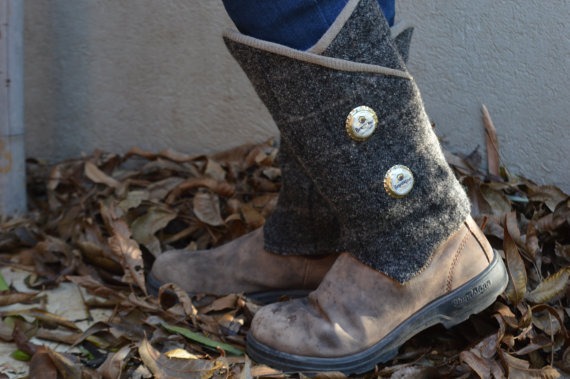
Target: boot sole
{"x":262,"y":298}
{"x":449,"y":310}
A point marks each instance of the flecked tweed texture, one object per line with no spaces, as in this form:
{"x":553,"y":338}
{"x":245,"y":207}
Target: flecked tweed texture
{"x":309,"y":99}
{"x":303,"y":222}
{"x":403,"y":41}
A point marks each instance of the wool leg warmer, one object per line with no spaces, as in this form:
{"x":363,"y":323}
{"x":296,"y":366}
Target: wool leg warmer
{"x":393,"y":192}
{"x":303,"y":222}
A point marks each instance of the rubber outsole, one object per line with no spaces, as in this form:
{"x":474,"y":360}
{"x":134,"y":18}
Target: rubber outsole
{"x":262,"y":297}
{"x":449,"y":310}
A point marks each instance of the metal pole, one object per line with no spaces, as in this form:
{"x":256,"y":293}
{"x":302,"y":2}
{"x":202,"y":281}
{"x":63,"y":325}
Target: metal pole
{"x":12,"y":157}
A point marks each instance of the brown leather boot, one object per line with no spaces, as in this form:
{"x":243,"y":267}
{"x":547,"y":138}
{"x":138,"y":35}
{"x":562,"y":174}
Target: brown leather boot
{"x":358,"y":317}
{"x":302,"y":230}
{"x":242,"y":266}
{"x":354,"y":119}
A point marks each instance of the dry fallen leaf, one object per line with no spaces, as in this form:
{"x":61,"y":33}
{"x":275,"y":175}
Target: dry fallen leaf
{"x":42,"y":366}
{"x":99,"y":221}
{"x":98,"y":176}
{"x":207,"y":208}
{"x":492,"y":143}
{"x":516,"y":288}
{"x":144,"y":227}
{"x":550,"y":288}
{"x":187,"y":368}
{"x":15,"y":297}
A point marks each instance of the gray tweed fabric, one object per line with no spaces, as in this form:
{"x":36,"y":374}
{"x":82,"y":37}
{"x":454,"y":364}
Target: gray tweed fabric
{"x":403,"y":41}
{"x":310,"y":102}
{"x":303,"y":222}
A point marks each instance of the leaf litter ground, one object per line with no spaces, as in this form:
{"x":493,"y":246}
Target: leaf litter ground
{"x":73,"y":301}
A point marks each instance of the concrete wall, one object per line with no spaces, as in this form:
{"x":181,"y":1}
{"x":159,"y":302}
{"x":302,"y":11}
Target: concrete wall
{"x":155,"y":74}
{"x":512,"y":56}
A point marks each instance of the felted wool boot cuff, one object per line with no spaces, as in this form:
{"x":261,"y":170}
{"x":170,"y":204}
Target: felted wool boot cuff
{"x":303,"y":222}
{"x":402,"y":33}
{"x":354,"y":119}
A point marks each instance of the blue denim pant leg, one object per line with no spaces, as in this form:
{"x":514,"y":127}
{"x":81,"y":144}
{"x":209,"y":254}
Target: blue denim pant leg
{"x":295,"y":23}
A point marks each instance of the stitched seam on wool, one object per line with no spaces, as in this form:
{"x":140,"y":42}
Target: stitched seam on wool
{"x":335,"y":28}
{"x":425,"y":266}
{"x":455,"y":260}
{"x":418,"y":273}
{"x":320,"y":60}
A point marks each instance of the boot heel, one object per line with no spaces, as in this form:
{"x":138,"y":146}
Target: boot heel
{"x":475,"y":295}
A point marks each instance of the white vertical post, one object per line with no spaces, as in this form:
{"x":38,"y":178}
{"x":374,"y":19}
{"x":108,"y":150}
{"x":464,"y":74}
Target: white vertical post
{"x":12,"y":157}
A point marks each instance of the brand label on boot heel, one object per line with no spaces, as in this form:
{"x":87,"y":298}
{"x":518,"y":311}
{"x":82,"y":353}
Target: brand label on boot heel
{"x":475,"y":291}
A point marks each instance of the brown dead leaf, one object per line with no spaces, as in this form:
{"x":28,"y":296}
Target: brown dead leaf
{"x":99,"y":334}
{"x":264,"y":371}
{"x":6,"y":330}
{"x":551,"y":196}
{"x":145,"y":227}
{"x":499,"y":203}
{"x":131,"y":257}
{"x":57,"y":335}
{"x":507,"y":315}
{"x":512,"y":226}
{"x":207,"y":208}
{"x":214,"y":170}
{"x":516,"y":288}
{"x":54,"y":258}
{"x":125,"y":248}
{"x":492,"y":144}
{"x":550,"y":288}
{"x":548,"y":319}
{"x":481,"y":358}
{"x":180,"y":354}
{"x":98,"y":176}
{"x":55,"y":177}
{"x":133,"y":199}
{"x":272,"y":173}
{"x":562,"y":251}
{"x":115,"y":363}
{"x":259,"y":155}
{"x":95,"y":287}
{"x":163,"y":367}
{"x":220,"y":188}
{"x":477,"y":364}
{"x":182,"y":297}
{"x":532,"y":347}
{"x":42,"y":366}
{"x":549,"y":223}
{"x":518,"y":368}
{"x":68,"y":367}
{"x":66,"y":238}
{"x":251,"y":216}
{"x":531,"y":242}
{"x":479,"y":205}
{"x":15,"y":297}
{"x":235,"y":154}
{"x":223,"y":303}
{"x":160,"y":190}
{"x":43,"y":316}
{"x":97,"y":255}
